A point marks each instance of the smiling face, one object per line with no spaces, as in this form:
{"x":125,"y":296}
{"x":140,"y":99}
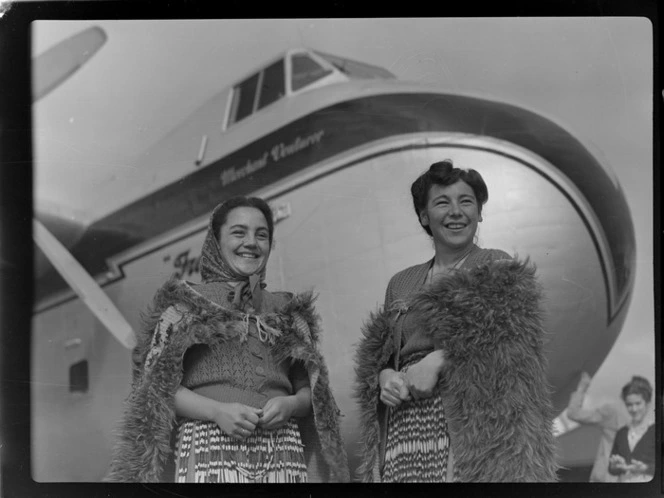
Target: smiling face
{"x":452,"y":213}
{"x":245,"y":240}
{"x":636,"y":407}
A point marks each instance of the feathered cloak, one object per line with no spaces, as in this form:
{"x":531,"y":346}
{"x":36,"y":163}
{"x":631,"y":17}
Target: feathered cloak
{"x":144,"y":451}
{"x":496,"y":398}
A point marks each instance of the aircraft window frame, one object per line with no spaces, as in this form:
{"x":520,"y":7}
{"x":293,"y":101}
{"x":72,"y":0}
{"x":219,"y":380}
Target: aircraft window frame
{"x":232,"y":104}
{"x":281,"y":64}
{"x":257,"y":91}
{"x":239,"y":98}
{"x":319,"y":76}
{"x":236,"y":97}
{"x":355,"y":69}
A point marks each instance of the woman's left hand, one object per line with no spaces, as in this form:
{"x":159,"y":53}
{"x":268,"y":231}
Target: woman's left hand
{"x":638,"y":467}
{"x":422,"y":377}
{"x":276,"y":412}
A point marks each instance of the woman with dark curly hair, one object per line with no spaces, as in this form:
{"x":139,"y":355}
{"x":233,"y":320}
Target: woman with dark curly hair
{"x":450,"y":373}
{"x":633,"y":455}
{"x":229,"y":384}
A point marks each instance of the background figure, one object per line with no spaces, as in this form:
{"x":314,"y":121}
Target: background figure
{"x":608,"y":417}
{"x":633,"y":455}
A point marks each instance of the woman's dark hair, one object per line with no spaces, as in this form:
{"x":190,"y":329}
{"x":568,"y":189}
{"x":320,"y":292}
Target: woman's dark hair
{"x":638,"y":385}
{"x":444,"y":173}
{"x":221,"y":214}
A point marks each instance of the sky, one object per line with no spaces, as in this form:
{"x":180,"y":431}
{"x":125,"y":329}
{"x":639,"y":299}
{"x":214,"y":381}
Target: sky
{"x":593,"y":76}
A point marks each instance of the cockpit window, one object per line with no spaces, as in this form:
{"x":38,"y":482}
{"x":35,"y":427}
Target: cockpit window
{"x":257,"y":91}
{"x":273,"y":86}
{"x":306,"y":71}
{"x":244,"y":96}
{"x":356,"y":70}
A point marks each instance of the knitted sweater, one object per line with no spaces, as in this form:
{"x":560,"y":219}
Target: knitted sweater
{"x":243,"y":371}
{"x":494,"y":391}
{"x":181,"y":318}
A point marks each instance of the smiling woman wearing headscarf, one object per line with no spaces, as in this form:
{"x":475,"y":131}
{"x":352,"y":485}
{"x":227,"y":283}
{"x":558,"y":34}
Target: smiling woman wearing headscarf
{"x":229,"y":384}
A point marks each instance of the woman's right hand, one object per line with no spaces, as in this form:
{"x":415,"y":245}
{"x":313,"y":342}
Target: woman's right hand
{"x":393,"y":387}
{"x":237,"y":420}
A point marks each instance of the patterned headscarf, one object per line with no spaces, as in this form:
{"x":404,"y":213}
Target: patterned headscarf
{"x":214,"y":268}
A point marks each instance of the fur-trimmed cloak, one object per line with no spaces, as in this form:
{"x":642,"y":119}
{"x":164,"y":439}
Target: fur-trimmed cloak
{"x":496,"y":398}
{"x":144,"y":451}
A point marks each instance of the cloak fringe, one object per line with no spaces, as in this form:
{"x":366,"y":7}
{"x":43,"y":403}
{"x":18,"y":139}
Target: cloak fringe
{"x":144,"y":448}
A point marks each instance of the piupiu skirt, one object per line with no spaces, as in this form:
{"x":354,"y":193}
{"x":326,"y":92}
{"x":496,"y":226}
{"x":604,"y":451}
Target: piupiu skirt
{"x":417,"y":447}
{"x":206,"y":454}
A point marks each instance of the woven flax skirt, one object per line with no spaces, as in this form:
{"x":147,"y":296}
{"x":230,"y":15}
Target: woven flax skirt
{"x":206,"y":454}
{"x":417,"y":447}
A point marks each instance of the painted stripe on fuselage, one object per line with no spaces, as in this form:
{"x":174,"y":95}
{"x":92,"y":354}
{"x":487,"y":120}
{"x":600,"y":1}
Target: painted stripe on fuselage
{"x":339,"y":128}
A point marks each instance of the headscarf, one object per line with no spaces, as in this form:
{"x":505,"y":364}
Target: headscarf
{"x":214,"y":268}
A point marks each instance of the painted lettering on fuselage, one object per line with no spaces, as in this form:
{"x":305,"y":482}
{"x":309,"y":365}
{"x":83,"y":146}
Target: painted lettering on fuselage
{"x":184,"y":265}
{"x":275,"y":154}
